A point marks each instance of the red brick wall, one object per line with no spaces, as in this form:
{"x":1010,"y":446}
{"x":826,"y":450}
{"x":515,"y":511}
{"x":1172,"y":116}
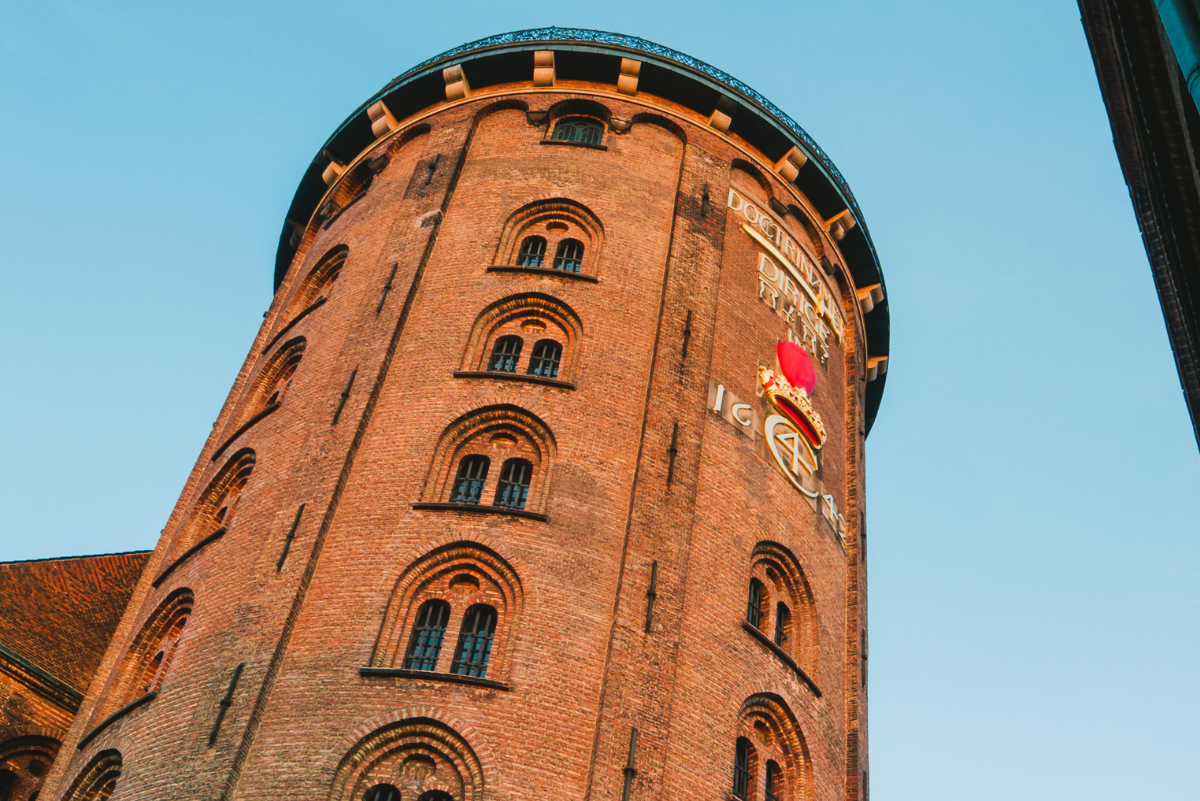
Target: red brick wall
{"x":578,"y":667}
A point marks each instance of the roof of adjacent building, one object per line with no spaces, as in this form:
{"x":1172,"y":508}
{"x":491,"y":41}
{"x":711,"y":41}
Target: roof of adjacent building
{"x":58,"y":615}
{"x":595,"y":56}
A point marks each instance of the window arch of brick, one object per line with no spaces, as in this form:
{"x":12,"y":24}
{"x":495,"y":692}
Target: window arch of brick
{"x":271,"y":384}
{"x":28,"y":759}
{"x":216,"y":507}
{"x":771,"y":731}
{"x":320,"y":282}
{"x":789,"y":612}
{"x":579,"y":107}
{"x":534,"y":318}
{"x":419,"y":756}
{"x":148,"y":659}
{"x":464,"y":575}
{"x":552,"y":221}
{"x":499,"y":433}
{"x":98,"y":781}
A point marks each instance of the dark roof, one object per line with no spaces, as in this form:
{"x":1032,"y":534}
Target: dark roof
{"x":595,"y":56}
{"x":59,"y":614}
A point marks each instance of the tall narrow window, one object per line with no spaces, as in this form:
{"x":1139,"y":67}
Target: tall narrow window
{"x":513,"y":488}
{"x":382,"y":792}
{"x":741,"y":769}
{"x":569,"y":256}
{"x":754,"y":604}
{"x":475,"y":642}
{"x":774,"y":784}
{"x":783,"y":621}
{"x":577,"y":129}
{"x":468,"y":485}
{"x":505,"y":354}
{"x":533,"y":251}
{"x":427,"y":634}
{"x":544,"y":359}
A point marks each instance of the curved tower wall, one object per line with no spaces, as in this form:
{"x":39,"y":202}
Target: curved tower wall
{"x":268,"y":651}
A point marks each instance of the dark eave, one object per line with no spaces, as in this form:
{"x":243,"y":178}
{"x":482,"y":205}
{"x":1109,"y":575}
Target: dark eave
{"x":595,"y":56}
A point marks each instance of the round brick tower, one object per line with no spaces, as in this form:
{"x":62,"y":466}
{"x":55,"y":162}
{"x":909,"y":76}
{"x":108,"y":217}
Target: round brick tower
{"x":544,"y":475}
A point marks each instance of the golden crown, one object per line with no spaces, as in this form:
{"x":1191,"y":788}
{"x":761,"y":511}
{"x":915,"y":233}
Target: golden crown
{"x":793,"y":402}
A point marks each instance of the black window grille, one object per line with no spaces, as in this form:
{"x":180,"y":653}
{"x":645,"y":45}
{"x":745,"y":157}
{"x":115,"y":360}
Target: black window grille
{"x":533,"y":251}
{"x":475,"y":642}
{"x":505,"y":355}
{"x":427,"y":634}
{"x":544,"y":359}
{"x":513,"y":488}
{"x":583,"y":131}
{"x":569,"y":256}
{"x":782,"y":620}
{"x":436,"y":795}
{"x":382,"y":792}
{"x":754,"y":604}
{"x":468,"y":484}
{"x":774,"y":785}
{"x":741,"y":769}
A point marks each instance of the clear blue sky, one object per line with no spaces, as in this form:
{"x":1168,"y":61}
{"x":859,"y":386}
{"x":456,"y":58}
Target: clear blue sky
{"x":1032,"y":474}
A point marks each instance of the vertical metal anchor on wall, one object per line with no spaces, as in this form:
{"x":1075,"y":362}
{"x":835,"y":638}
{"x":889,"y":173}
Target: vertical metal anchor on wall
{"x":687,"y":337}
{"x":226,"y":702}
{"x":345,"y":395}
{"x":674,"y":449}
{"x":387,"y":287}
{"x":651,"y":594}
{"x":287,"y":541}
{"x":629,"y":770}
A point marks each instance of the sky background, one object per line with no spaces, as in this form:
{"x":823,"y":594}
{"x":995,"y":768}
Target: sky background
{"x":1033,"y":503}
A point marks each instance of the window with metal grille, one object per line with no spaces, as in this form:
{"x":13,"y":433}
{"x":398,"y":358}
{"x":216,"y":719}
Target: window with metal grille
{"x":382,"y":792}
{"x":533,"y":251}
{"x":544,"y":359}
{"x":427,"y":634}
{"x":774,"y":785}
{"x":468,"y":484}
{"x":755,"y":604}
{"x":505,"y":354}
{"x":741,"y":769}
{"x":436,"y":795}
{"x":569,"y":256}
{"x":475,"y":642}
{"x":513,"y":488}
{"x":783,"y":619}
{"x":578,"y":129}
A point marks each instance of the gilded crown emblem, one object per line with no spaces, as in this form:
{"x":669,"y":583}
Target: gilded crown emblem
{"x":794,"y":404}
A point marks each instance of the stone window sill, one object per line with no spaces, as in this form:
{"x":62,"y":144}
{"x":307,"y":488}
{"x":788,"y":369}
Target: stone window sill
{"x":573,"y":144}
{"x":316,"y":304}
{"x":787,"y":660}
{"x":517,"y":268}
{"x":188,"y":554}
{"x":429,"y":675}
{"x":523,"y":377}
{"x":242,"y":429}
{"x":113,"y":718}
{"x":479,"y":509}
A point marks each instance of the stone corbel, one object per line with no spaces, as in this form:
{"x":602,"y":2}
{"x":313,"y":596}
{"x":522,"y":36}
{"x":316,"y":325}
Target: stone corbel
{"x":543,"y":68}
{"x":722,"y":115}
{"x":457,"y":87}
{"x":840,"y":224}
{"x":789,"y":166}
{"x":619,"y":125}
{"x":876,"y":366}
{"x":627,"y":81}
{"x":381,"y":118}
{"x":869,"y":296}
{"x":333,"y":171}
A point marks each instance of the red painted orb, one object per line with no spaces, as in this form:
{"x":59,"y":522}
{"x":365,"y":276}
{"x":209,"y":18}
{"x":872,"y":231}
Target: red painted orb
{"x":797,"y":366}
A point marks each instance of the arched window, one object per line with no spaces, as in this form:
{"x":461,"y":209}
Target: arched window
{"x":774,"y":783}
{"x":8,"y":780}
{"x":569,"y":256}
{"x":468,"y":485}
{"x":533,"y":251}
{"x":382,"y":792}
{"x":427,"y":634}
{"x":420,"y":755}
{"x":544,"y":359}
{"x":756,"y":603}
{"x":513,"y":488}
{"x":505,"y":355}
{"x":319,"y":283}
{"x":436,"y":795}
{"x":742,"y":767}
{"x":475,"y":642}
{"x":579,"y":129}
{"x":98,"y":780}
{"x":783,"y":621}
